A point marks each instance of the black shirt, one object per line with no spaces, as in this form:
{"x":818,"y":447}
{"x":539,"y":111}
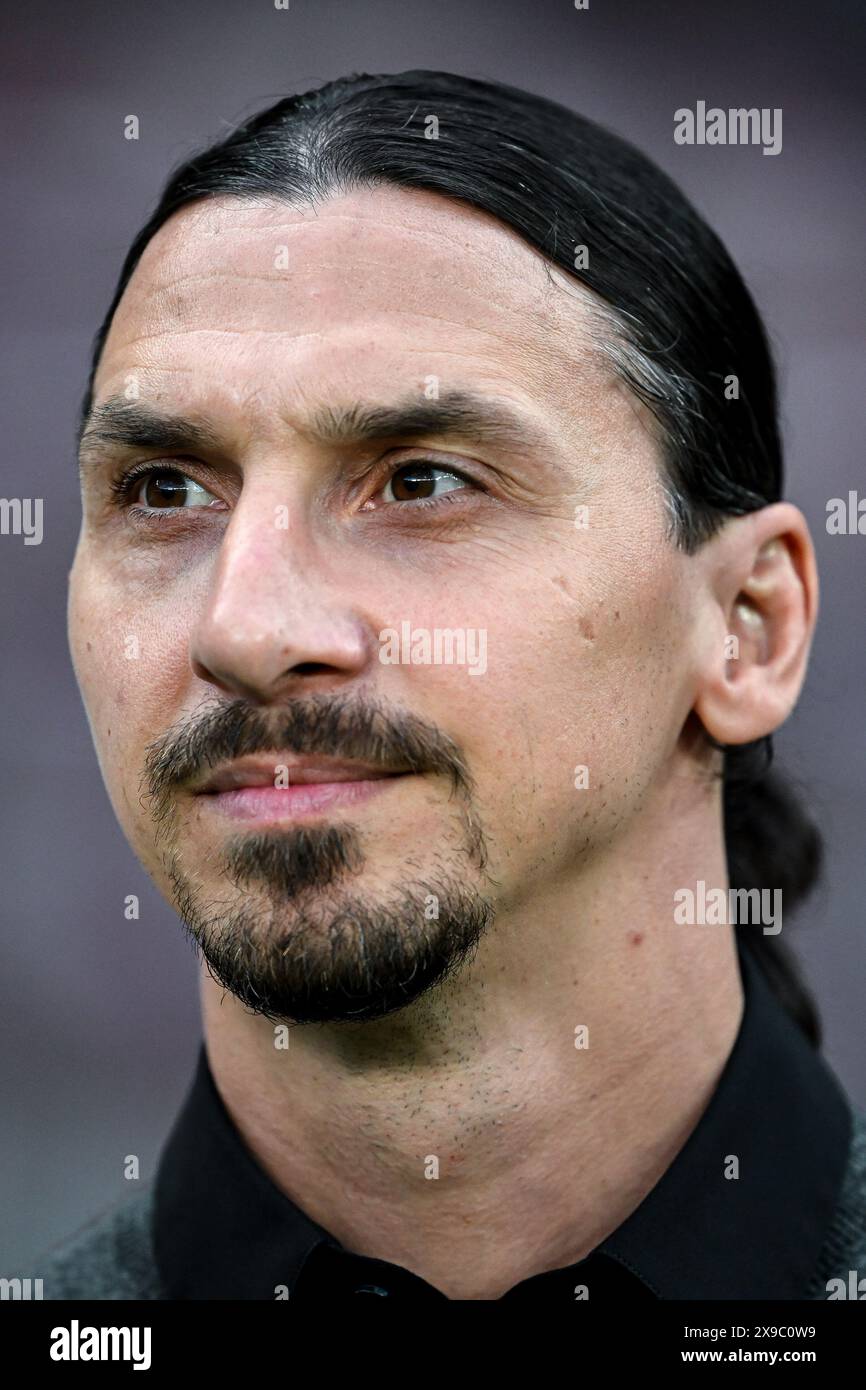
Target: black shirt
{"x":223,"y":1230}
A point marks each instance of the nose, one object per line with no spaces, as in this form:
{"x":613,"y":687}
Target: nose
{"x":278,"y":617}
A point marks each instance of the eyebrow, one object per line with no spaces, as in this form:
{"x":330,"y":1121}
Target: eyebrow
{"x":130,"y":423}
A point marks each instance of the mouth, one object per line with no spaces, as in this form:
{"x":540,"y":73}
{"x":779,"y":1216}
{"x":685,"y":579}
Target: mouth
{"x":282,"y":788}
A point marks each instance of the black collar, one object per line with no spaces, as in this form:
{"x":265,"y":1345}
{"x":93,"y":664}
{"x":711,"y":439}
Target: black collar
{"x":223,"y":1230}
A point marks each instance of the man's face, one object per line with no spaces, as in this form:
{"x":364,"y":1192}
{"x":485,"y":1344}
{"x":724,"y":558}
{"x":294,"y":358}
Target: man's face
{"x":230,"y":610}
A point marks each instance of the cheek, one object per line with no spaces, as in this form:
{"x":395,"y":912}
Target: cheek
{"x":132,"y":667}
{"x":580,"y":707}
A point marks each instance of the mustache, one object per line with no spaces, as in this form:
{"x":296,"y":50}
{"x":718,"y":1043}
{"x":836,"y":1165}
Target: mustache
{"x":365,"y":730}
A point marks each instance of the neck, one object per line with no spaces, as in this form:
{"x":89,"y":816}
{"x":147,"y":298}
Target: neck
{"x":467,"y":1137}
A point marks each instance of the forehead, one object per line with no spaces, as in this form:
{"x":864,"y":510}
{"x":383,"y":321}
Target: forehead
{"x":255,"y":300}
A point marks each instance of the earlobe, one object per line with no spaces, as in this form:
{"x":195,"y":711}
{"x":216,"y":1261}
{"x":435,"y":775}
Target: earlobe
{"x":766,"y":586}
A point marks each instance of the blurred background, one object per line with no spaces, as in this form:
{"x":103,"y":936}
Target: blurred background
{"x":100,"y":1023}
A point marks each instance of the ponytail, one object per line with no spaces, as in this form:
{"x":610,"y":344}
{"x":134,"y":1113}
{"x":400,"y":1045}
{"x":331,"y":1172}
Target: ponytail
{"x":771,"y":842}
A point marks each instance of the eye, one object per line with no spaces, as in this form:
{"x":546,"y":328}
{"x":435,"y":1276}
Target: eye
{"x":161,"y":488}
{"x":422,"y":481}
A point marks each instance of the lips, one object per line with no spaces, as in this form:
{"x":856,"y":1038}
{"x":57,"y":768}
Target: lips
{"x":286,"y":788}
{"x":282,"y":773}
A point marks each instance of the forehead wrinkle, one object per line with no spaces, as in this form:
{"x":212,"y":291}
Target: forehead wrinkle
{"x":432,"y":226}
{"x":353,"y":317}
{"x":529,"y":304}
{"x":526,"y":290}
{"x":529,"y":298}
{"x":359,"y":326}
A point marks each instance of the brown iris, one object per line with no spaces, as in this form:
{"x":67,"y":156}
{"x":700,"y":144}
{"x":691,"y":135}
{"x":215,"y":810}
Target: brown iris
{"x":414,"y":480}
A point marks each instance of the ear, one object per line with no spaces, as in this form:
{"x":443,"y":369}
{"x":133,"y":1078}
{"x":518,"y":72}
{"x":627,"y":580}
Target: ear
{"x":761,"y":605}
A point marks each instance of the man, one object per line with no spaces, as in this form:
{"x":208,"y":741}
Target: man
{"x":434,"y":602}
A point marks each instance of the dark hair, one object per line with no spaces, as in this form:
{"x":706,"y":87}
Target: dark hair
{"x":679,"y":324}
